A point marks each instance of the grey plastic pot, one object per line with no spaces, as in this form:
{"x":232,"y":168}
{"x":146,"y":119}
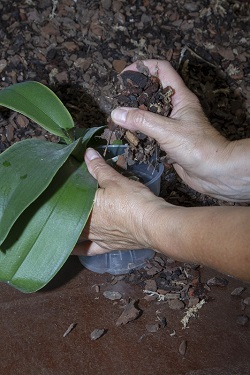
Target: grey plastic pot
{"x":123,"y":261}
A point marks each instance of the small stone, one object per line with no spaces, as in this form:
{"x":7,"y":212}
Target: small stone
{"x":217,"y":281}
{"x":112,"y":295}
{"x":152,"y":328}
{"x":176,"y":304}
{"x":242,"y":320}
{"x":247,"y":301}
{"x":238,"y":291}
{"x":183,"y":347}
{"x":97,"y":333}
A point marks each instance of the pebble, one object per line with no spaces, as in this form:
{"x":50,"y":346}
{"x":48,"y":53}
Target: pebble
{"x":112,"y":295}
{"x":152,"y":327}
{"x":183,"y":347}
{"x":96,"y":334}
{"x":247,"y":301}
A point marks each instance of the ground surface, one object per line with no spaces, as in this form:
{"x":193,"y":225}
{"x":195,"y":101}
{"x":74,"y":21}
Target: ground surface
{"x":77,"y":48}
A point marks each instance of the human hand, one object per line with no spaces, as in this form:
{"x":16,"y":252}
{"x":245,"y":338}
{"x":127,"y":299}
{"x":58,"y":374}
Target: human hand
{"x":123,"y":212}
{"x":198,"y":151}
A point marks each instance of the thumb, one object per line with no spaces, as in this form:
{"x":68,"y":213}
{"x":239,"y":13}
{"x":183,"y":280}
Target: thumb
{"x":151,"y":124}
{"x":99,"y":169}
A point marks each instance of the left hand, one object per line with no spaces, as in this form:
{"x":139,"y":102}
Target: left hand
{"x":122,"y":212}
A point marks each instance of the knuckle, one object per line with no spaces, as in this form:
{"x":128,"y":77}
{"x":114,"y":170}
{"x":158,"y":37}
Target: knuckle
{"x":138,"y":118}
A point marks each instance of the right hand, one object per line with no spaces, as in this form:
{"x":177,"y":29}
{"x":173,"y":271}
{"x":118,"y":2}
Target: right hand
{"x":198,"y":151}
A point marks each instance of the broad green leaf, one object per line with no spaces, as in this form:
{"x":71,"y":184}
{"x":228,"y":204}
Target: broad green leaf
{"x":86,"y":140}
{"x":26,"y":169}
{"x":44,"y":235}
{"x":40,"y":104}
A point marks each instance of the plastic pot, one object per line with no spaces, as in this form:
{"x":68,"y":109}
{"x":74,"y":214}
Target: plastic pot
{"x":123,"y":261}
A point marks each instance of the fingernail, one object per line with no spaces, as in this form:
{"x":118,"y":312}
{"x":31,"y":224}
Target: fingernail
{"x":119,"y":115}
{"x":92,"y":154}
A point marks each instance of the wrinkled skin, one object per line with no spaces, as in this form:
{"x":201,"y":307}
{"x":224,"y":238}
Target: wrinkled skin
{"x":124,"y":211}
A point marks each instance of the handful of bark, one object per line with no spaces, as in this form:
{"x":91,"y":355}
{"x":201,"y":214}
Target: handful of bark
{"x":140,"y":89}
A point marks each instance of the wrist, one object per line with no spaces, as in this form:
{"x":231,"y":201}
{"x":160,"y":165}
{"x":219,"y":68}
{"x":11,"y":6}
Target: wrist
{"x":161,"y":229}
{"x":235,"y":171}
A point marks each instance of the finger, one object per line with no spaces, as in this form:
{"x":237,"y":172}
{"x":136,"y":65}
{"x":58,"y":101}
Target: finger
{"x":151,"y":124}
{"x":100,"y":170}
{"x":88,"y":248}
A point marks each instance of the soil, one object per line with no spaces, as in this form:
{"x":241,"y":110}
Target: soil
{"x":78,"y":48}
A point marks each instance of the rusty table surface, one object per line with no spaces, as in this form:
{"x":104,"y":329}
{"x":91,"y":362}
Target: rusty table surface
{"x":32,"y":328}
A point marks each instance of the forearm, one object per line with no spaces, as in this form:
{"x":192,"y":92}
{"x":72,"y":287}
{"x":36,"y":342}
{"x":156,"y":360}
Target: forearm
{"x":218,"y":237}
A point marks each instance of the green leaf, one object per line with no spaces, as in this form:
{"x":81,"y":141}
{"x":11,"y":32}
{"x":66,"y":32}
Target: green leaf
{"x":86,"y":140}
{"x":26,"y":169}
{"x":44,"y":235}
{"x":40,"y":104}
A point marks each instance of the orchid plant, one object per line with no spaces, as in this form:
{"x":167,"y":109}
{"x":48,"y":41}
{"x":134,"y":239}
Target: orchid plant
{"x":46,"y":191}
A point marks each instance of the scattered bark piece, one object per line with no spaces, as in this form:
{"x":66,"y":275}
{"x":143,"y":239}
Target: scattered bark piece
{"x":97,"y":333}
{"x":69,"y":329}
{"x":130,"y":313}
{"x":119,"y":65}
{"x":153,"y":271}
{"x":151,"y":285}
{"x":176,"y":304}
{"x":112,"y":295}
{"x":152,"y":327}
{"x":247,"y":301}
{"x":193,"y":301}
{"x":217,"y":281}
{"x":150,"y":298}
{"x":242,"y":320}
{"x":22,"y":121}
{"x":238,"y":291}
{"x":183,"y":347}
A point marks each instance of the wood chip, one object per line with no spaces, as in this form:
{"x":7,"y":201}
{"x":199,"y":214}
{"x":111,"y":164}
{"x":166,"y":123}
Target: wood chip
{"x":130,"y":313}
{"x":151,"y":285}
{"x":217,"y":281}
{"x":152,"y":327}
{"x":69,"y":329}
{"x":238,"y":291}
